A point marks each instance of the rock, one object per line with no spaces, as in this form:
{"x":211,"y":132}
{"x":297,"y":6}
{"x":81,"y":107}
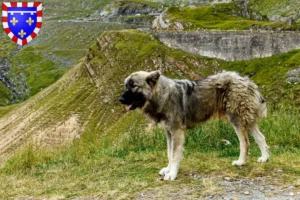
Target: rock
{"x":293,"y":76}
{"x":178,"y":26}
{"x":197,"y":177}
{"x":261,"y":188}
{"x":246,"y":192}
{"x":231,"y":45}
{"x":226,"y":142}
{"x":227,"y":179}
{"x":290,"y":21}
{"x":291,"y":187}
{"x":113,"y":11}
{"x":271,"y":187}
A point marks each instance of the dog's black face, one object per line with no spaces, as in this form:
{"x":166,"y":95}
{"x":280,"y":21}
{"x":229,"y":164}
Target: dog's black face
{"x":139,"y":87}
{"x":132,"y":98}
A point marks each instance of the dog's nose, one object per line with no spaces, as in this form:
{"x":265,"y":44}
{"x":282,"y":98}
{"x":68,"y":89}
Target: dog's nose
{"x":122,"y":100}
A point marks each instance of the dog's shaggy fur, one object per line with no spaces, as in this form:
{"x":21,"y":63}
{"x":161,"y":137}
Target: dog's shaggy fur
{"x":180,"y":104}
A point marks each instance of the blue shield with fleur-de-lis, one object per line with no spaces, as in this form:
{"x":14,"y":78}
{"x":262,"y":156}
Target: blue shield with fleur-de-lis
{"x":22,"y":20}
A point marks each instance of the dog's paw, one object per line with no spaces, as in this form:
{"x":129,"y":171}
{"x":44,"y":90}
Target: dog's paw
{"x":263,"y":159}
{"x":170,"y":177}
{"x":238,"y":163}
{"x":164,"y":171}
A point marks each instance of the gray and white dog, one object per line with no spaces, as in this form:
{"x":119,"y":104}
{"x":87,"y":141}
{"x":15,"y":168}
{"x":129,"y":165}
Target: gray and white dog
{"x":180,"y":104}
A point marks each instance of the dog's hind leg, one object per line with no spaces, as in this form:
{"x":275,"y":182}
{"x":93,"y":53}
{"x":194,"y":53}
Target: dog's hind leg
{"x":244,"y":145}
{"x":261,"y":141}
{"x":176,"y":156}
{"x":166,"y":170}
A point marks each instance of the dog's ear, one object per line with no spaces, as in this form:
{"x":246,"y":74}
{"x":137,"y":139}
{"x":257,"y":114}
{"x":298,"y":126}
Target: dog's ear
{"x":153,"y":77}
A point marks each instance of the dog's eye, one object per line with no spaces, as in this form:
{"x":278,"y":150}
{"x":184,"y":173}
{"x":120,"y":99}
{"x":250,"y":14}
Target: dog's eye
{"x":130,"y":83}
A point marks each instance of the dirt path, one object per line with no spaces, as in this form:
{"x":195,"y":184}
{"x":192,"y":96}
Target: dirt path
{"x":218,"y":187}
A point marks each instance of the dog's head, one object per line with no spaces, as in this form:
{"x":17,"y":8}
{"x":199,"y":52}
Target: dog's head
{"x":139,"y":89}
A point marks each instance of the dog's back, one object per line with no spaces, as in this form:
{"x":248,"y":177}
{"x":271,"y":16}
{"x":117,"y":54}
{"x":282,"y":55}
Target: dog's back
{"x":225,"y":94}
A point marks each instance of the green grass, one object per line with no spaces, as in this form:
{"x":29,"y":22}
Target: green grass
{"x":220,"y":17}
{"x":39,"y":65}
{"x":114,"y":156}
{"x":5,"y":95}
{"x":127,"y":164}
{"x":39,"y":71}
{"x":6,"y":47}
{"x":58,"y":46}
{"x":283,"y":8}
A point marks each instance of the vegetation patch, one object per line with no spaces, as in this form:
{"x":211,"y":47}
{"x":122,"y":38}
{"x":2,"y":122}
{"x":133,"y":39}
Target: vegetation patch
{"x":5,"y":95}
{"x":114,"y":155}
{"x":271,"y":8}
{"x":221,"y":17}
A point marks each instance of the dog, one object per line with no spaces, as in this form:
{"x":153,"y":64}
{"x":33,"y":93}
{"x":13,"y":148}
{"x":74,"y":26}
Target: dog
{"x":177,"y":105}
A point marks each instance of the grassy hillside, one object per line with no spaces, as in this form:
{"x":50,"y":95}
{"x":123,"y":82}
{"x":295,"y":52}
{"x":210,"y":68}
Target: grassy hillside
{"x":284,"y":8}
{"x":69,"y":9}
{"x":114,"y":157}
{"x":65,"y":37}
{"x":5,"y":94}
{"x":60,"y":43}
{"x":227,"y":16}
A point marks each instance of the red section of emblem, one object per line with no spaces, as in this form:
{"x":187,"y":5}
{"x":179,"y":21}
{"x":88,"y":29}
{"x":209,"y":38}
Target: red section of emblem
{"x":33,"y":35}
{"x":7,"y":30}
{"x":39,"y":24}
{"x":14,"y":4}
{"x":24,"y":42}
{"x":36,"y":4}
{"x":24,"y":4}
{"x":39,"y":13}
{"x":4,"y":19}
{"x":4,"y":7}
{"x":15,"y":39}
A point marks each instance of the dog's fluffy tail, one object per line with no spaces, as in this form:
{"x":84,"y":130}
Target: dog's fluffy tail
{"x":262,"y":112}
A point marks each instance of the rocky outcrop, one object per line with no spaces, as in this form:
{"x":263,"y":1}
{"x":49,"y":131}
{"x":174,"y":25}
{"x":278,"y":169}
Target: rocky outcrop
{"x":16,"y":85}
{"x":205,"y":2}
{"x":127,"y":12}
{"x":4,"y":68}
{"x":293,"y":76}
{"x":231,"y":45}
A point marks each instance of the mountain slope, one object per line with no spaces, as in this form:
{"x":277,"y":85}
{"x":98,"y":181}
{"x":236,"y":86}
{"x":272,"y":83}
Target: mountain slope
{"x":85,"y":100}
{"x":114,"y":156}
{"x":62,"y":40}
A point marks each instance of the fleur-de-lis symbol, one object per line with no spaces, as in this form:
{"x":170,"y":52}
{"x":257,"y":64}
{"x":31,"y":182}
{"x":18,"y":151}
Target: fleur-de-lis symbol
{"x":29,"y":21}
{"x":14,"y":21}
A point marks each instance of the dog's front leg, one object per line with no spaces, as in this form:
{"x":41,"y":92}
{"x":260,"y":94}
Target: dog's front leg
{"x":166,"y":170}
{"x":177,"y":142}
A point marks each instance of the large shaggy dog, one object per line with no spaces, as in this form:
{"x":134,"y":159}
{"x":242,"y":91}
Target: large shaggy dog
{"x":180,"y":104}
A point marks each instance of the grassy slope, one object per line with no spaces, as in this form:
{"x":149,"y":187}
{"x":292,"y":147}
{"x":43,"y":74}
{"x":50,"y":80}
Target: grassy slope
{"x":114,"y":157}
{"x":5,"y":95}
{"x":220,"y":17}
{"x":6,"y":47}
{"x":61,"y":44}
{"x":70,"y":9}
{"x":283,"y":8}
{"x":58,"y":46}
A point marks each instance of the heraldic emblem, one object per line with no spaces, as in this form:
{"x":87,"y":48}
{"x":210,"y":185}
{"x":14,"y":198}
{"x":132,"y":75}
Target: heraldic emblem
{"x":22,"y":20}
